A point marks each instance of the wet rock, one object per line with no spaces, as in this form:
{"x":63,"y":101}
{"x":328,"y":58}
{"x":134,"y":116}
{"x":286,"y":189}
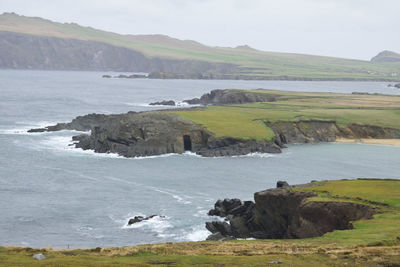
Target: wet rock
{"x":106,"y":76}
{"x":163,"y":103}
{"x":397,"y":85}
{"x":137,"y":219}
{"x":219,"y":227}
{"x":39,"y":256}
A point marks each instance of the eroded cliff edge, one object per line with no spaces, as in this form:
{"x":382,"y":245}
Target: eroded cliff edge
{"x":283,"y":213}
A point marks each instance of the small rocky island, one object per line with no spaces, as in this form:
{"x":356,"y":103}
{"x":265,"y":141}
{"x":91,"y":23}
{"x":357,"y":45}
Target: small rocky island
{"x":138,"y":134}
{"x":283,"y":213}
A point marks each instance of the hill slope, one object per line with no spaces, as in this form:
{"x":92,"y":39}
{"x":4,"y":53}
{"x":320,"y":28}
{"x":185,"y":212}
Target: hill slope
{"x":251,"y":63}
{"x":386,"y":56}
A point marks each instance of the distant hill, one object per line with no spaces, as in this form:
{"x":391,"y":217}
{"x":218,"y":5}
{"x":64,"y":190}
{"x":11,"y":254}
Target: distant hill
{"x":36,"y":43}
{"x":386,"y":56}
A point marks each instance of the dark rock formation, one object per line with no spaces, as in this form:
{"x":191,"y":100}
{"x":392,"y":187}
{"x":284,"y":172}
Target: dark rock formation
{"x":230,"y":96}
{"x":154,"y":133}
{"x":282,"y":184}
{"x":397,"y":85}
{"x":106,"y":76}
{"x":137,"y":219}
{"x":164,"y":103}
{"x":281,"y":213}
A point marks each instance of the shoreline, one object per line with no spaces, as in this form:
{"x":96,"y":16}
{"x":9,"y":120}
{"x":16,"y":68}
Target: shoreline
{"x":370,"y":141}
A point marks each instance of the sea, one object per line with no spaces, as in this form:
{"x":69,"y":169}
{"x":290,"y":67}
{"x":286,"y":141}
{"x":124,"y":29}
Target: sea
{"x":54,"y":195}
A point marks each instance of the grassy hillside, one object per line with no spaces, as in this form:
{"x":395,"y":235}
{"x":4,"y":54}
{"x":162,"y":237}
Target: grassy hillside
{"x":246,"y":120}
{"x":374,"y":242}
{"x":252,"y":62}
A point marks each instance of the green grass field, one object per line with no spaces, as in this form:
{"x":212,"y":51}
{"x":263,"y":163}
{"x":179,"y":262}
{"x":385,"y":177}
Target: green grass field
{"x":246,"y":121}
{"x":252,"y":62}
{"x":374,"y":242}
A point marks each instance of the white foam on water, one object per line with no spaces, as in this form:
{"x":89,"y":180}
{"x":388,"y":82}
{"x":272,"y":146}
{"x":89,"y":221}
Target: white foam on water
{"x":201,"y":212}
{"x":180,"y":199}
{"x":157,"y":224}
{"x":25,"y":126}
{"x":197,"y":233}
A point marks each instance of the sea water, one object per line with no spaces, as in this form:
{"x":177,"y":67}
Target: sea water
{"x":54,"y":195}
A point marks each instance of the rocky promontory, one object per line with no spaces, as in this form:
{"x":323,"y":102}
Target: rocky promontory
{"x":154,"y":133}
{"x":137,"y":134}
{"x":283,"y":213}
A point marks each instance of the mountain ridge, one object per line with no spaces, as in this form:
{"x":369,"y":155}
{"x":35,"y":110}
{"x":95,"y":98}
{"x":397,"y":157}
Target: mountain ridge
{"x":249,"y":63}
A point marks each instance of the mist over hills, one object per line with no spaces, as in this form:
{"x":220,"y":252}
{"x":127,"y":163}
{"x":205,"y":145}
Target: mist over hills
{"x":36,"y":43}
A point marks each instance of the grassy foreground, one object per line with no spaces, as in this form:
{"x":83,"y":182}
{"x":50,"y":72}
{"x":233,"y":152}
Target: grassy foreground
{"x":246,"y":121}
{"x":374,"y":242}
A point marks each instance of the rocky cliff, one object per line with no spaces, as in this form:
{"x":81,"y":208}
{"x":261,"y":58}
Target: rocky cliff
{"x":24,"y":51}
{"x":283,"y":213}
{"x":154,"y":133}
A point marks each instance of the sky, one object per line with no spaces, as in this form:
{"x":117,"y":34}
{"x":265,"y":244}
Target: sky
{"x":340,"y":28}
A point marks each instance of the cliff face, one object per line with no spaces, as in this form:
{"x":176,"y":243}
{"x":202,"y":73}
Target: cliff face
{"x":314,"y":131}
{"x":283,"y":213}
{"x":23,"y":51}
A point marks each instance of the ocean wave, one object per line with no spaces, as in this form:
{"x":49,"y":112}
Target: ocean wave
{"x":197,"y":233}
{"x":158,"y":225}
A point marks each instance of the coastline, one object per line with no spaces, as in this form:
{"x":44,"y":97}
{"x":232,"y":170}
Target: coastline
{"x":370,"y":141}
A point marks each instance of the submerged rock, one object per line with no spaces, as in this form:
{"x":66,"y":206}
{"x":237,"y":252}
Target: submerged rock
{"x":137,"y":219}
{"x":281,"y":213}
{"x":164,"y":103}
{"x":397,"y":85}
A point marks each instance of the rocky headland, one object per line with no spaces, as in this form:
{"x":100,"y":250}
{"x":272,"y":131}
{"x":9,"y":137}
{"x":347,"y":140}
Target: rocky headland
{"x":283,"y":213}
{"x":160,"y":132}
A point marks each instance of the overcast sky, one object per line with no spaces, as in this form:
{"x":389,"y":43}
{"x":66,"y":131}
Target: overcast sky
{"x":341,"y":28}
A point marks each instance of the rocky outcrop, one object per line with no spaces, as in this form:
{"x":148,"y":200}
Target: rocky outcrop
{"x":397,"y":85}
{"x":154,"y":133}
{"x":283,"y":213}
{"x":163,"y":103}
{"x":231,"y":96}
{"x":137,"y":219}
